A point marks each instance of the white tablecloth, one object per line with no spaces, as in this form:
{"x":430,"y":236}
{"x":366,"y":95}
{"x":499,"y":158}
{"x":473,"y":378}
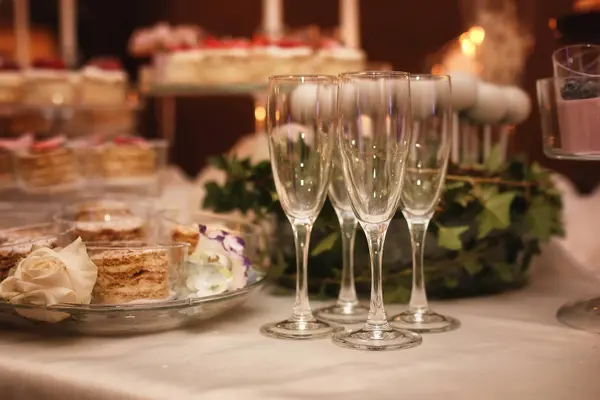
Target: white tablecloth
{"x":510,"y":346}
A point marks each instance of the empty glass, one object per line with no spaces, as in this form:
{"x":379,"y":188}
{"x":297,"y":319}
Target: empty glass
{"x":374,"y":136}
{"x":301,"y":125}
{"x":424,"y":178}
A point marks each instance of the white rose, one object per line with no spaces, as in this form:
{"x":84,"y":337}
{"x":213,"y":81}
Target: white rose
{"x":47,"y":277}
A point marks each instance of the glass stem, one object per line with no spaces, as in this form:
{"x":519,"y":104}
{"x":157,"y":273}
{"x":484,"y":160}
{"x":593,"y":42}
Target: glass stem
{"x":348,"y":222}
{"x":302,"y":229}
{"x":418,"y":295}
{"x":377,"y":319}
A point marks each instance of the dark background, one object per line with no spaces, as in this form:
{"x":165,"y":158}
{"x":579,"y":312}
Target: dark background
{"x":401,"y":32}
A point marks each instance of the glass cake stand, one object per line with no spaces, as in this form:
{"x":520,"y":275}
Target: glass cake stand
{"x":570,"y":132}
{"x":127,"y":319}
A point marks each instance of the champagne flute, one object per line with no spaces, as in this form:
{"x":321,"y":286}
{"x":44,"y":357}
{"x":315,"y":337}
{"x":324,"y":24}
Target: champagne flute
{"x":347,"y":309}
{"x":301,"y":125}
{"x":424,"y":177}
{"x":374,"y":135}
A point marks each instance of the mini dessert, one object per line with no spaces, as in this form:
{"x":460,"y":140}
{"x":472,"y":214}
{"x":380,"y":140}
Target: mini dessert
{"x":98,"y":210}
{"x":111,"y":229}
{"x":578,"y":107}
{"x":217,"y":264}
{"x":286,"y":57}
{"x":126,"y":275}
{"x":333,"y":59}
{"x":103,"y":83}
{"x":7,"y":146}
{"x":47,"y":165}
{"x":49,"y":83}
{"x":127,"y":160}
{"x":17,"y":243}
{"x":146,"y":42}
{"x":186,"y":234}
{"x":11,"y":82}
{"x":224,"y":61}
{"x":178,"y":66}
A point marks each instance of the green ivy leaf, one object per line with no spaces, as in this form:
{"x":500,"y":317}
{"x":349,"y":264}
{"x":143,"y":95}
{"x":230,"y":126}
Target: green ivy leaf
{"x":496,"y":213}
{"x":540,"y":218}
{"x":451,"y":185}
{"x":325,"y":244}
{"x":505,"y":272}
{"x":494,"y":162}
{"x":470,"y":262}
{"x":219,"y":162}
{"x":449,"y":237}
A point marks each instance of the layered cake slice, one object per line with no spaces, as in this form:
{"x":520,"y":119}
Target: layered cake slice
{"x":50,"y":83}
{"x":103,"y":83}
{"x":17,"y":243}
{"x":578,"y":108}
{"x":128,"y":275}
{"x":11,"y":82}
{"x":128,"y":160}
{"x":49,"y":165}
{"x":7,"y":147}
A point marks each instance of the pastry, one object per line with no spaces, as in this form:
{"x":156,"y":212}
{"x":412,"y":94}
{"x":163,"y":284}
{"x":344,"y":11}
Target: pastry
{"x":103,"y":83}
{"x":186,"y":234}
{"x":578,"y":107}
{"x":126,"y":275}
{"x":114,"y":229}
{"x":49,"y":83}
{"x":49,"y":165}
{"x":126,"y":160}
{"x":11,"y":82}
{"x":17,"y":243}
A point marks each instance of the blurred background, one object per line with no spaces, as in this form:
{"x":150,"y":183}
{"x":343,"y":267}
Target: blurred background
{"x":405,"y":34}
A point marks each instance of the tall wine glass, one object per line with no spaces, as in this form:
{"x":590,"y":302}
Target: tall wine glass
{"x":301,"y":125}
{"x":347,"y":309}
{"x":426,"y":166}
{"x":374,"y":135}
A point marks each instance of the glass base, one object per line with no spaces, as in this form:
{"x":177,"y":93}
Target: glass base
{"x":584,"y":315}
{"x":427,"y":322}
{"x":343,"y":314}
{"x":377,"y":340}
{"x":297,"y":330}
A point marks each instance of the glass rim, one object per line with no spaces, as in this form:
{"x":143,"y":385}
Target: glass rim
{"x":302,"y":77}
{"x":575,"y":46}
{"x":18,"y":242}
{"x":431,"y":77}
{"x":567,"y":78}
{"x":248,"y":227}
{"x":135,"y":245}
{"x":373,"y":74}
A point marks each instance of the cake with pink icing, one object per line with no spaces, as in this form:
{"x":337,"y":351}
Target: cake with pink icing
{"x":578,"y":108}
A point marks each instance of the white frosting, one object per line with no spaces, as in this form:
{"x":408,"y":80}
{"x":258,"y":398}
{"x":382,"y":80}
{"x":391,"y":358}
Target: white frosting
{"x":283,"y":52}
{"x":519,"y":105}
{"x":11,"y":78}
{"x":119,"y":224}
{"x":227,"y":52}
{"x":464,"y":90}
{"x":101,"y":74}
{"x":491,"y":105}
{"x":342,"y":53}
{"x":41,"y":73}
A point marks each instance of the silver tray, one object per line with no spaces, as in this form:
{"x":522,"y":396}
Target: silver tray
{"x":126,"y":319}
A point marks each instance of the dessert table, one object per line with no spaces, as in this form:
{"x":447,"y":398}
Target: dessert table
{"x":509,"y":346}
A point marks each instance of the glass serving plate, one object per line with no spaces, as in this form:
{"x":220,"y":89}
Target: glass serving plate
{"x":127,"y":319}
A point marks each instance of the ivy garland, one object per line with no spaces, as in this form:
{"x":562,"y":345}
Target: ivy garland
{"x":490,"y":223}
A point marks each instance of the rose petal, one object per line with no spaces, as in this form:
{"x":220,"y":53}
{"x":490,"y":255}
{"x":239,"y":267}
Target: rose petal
{"x":82,"y":271}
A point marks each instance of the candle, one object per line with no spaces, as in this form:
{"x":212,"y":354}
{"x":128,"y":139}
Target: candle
{"x":349,"y":23}
{"x":272,"y":18}
{"x":21,"y":25}
{"x":68,"y":32}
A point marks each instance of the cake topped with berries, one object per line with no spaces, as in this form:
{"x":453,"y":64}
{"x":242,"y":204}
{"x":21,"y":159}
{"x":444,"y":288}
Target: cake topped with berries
{"x":11,"y":81}
{"x":103,"y":82}
{"x":49,"y":82}
{"x":126,"y":160}
{"x":49,"y":164}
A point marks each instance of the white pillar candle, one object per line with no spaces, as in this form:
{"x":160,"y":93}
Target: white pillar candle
{"x":350,"y":23}
{"x":21,"y":25}
{"x":272,"y":18}
{"x":68,"y":32}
